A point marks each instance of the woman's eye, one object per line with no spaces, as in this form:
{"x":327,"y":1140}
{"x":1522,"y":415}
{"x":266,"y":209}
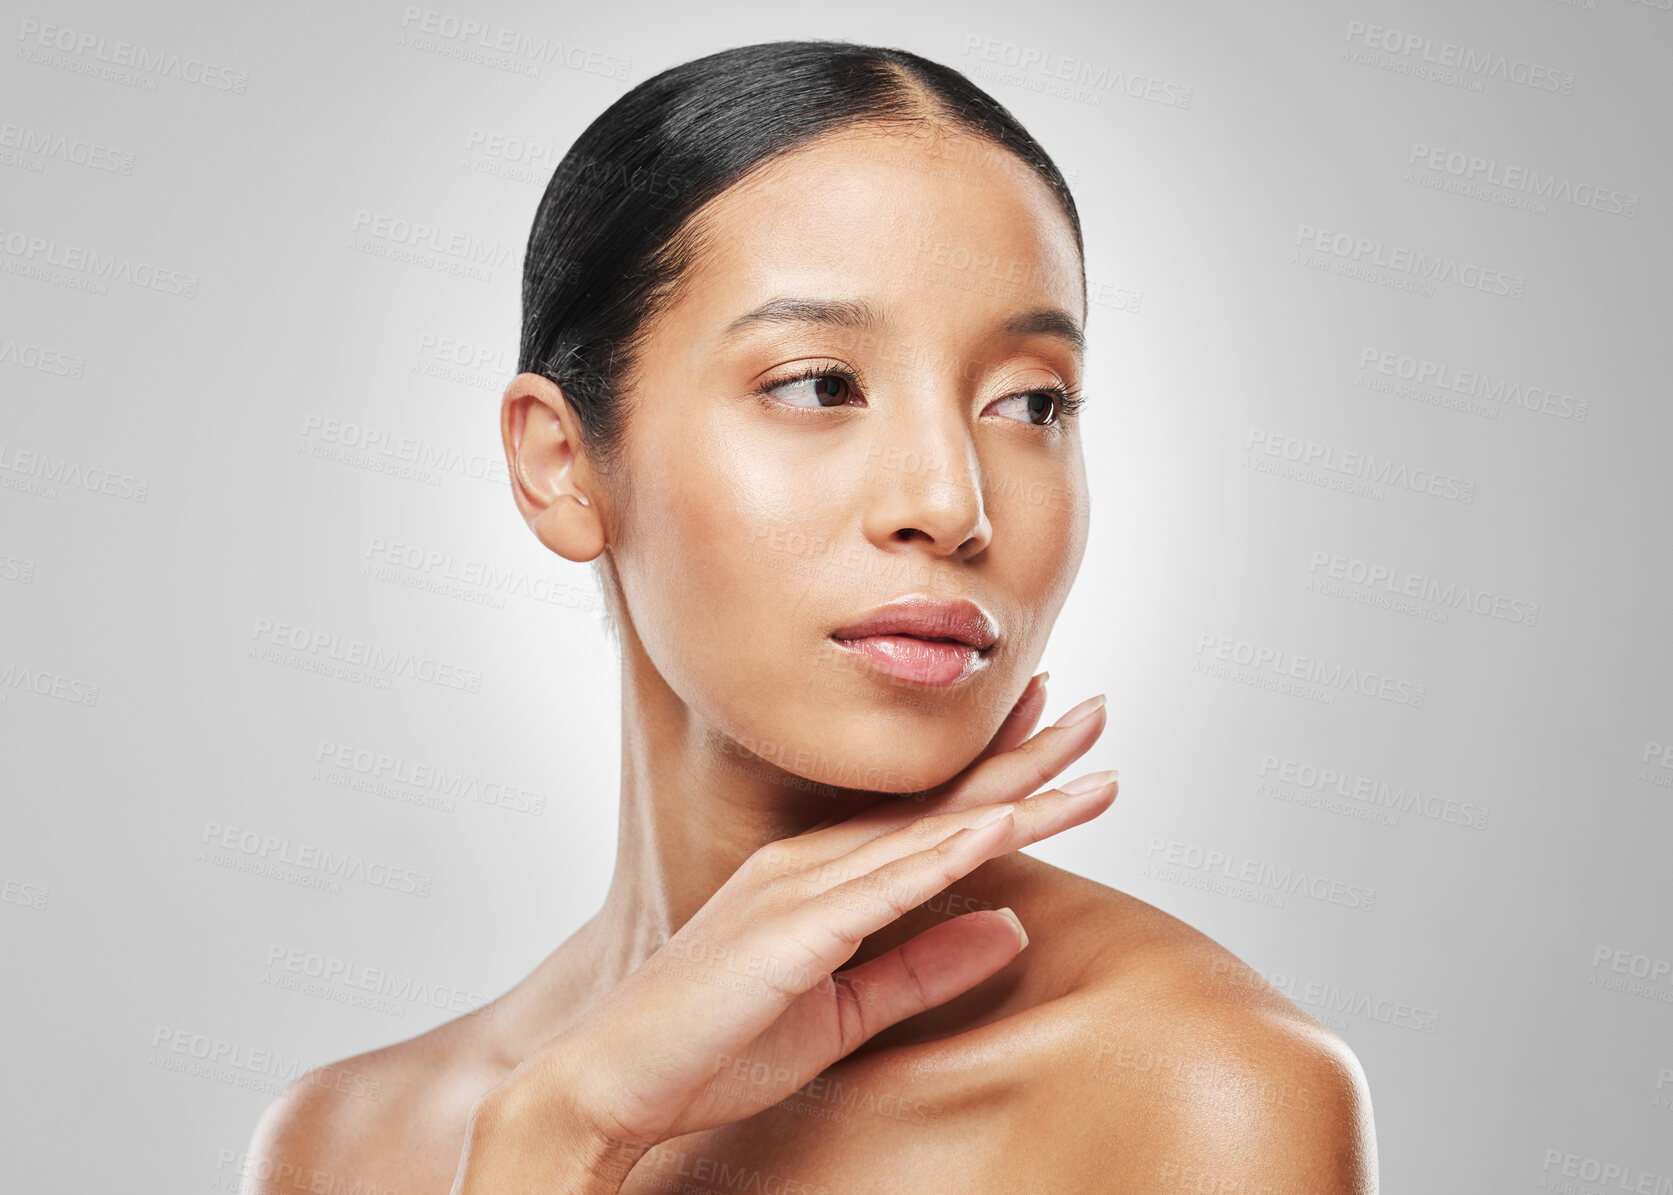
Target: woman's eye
{"x":1039,"y":407}
{"x":825,"y":390}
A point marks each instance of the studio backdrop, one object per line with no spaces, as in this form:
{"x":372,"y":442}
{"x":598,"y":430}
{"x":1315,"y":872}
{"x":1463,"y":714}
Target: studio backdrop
{"x":1377,"y":434}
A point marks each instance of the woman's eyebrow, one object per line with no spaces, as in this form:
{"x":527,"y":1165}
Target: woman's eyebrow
{"x":841,"y":313}
{"x":857,"y":313}
{"x":1049,"y":321}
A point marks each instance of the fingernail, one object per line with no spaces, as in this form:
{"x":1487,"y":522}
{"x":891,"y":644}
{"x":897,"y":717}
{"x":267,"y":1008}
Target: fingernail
{"x":1087,"y":783}
{"x":991,"y":816}
{"x":1080,"y":713}
{"x":1016,"y":922}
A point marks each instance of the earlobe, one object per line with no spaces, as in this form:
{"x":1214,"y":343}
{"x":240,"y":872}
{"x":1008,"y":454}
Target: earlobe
{"x":570,"y":528}
{"x":547,"y":475}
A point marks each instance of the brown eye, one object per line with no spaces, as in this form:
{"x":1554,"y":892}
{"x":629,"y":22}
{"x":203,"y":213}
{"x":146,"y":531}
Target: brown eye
{"x":826,"y":390}
{"x":1039,"y":407}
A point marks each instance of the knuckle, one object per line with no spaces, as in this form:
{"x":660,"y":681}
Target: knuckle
{"x":852,"y":1021}
{"x":896,"y":894}
{"x":944,"y":849}
{"x":872,"y":893}
{"x":772,"y":861}
{"x":915,"y":982}
{"x":1042,"y":768}
{"x":931,"y":831}
{"x":946,"y":864}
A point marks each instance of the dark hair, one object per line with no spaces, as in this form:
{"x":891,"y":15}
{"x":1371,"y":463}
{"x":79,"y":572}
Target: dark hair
{"x":610,"y":240}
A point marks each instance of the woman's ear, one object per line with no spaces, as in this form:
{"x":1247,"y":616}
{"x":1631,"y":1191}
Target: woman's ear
{"x":550,"y":479}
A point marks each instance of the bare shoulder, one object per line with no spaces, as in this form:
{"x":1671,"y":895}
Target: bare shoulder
{"x":1207,"y":1076}
{"x":391,"y":1119}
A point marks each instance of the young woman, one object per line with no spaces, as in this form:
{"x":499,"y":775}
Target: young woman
{"x":801,"y":353}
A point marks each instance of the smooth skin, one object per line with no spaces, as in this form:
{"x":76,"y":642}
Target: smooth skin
{"x":800,"y":905}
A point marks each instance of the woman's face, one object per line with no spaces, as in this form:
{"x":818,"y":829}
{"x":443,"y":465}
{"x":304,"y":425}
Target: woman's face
{"x":844,"y":407}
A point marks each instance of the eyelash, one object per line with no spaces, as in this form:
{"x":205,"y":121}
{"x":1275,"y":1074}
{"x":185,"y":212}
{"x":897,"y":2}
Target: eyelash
{"x":1069,"y":399}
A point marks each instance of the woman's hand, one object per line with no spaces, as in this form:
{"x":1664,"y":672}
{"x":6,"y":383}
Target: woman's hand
{"x":745,"y":1004}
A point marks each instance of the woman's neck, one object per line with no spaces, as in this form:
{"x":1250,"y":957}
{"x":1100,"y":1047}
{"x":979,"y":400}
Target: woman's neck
{"x":694,"y":804}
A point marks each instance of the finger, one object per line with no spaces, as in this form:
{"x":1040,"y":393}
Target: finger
{"x":1051,"y":812}
{"x":1008,"y":777}
{"x":828,"y":926}
{"x":831,"y":925}
{"x":832,"y":1019}
{"x":927,"y":970}
{"x":1021,"y":771}
{"x":1018,"y":724}
{"x":788,"y":954}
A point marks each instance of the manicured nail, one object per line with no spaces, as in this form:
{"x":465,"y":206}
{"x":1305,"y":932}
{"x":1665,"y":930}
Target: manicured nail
{"x":991,"y":816}
{"x":1086,"y":784}
{"x":1080,"y":713}
{"x":1016,"y":922}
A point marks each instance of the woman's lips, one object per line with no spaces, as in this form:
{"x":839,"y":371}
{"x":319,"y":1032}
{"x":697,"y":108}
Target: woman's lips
{"x":921,"y":661}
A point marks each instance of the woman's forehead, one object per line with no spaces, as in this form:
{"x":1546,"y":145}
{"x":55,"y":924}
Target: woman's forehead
{"x":899,"y":217}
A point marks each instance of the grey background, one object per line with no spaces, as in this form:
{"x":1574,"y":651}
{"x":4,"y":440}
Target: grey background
{"x":176,"y":477}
